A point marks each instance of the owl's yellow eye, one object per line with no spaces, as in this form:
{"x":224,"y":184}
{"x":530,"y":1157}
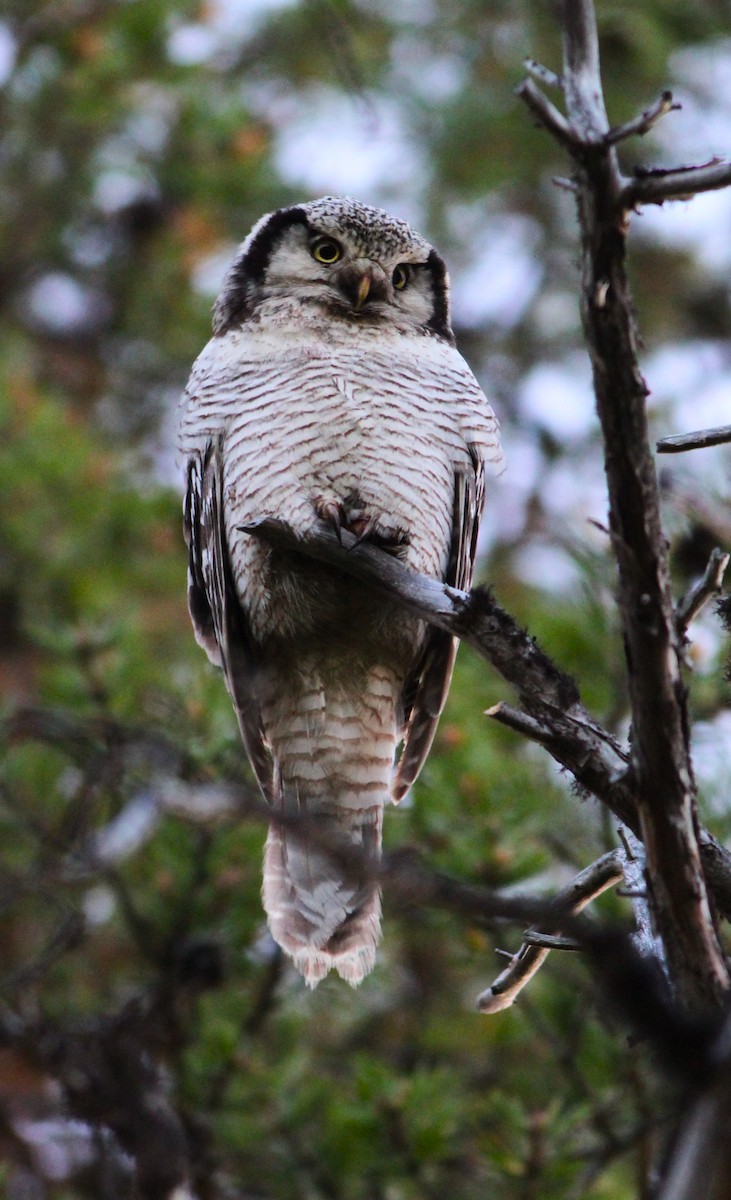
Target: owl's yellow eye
{"x":400,"y":277}
{"x":326,"y":250}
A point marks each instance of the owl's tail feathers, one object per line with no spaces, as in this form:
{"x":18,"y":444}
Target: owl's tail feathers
{"x":320,"y":893}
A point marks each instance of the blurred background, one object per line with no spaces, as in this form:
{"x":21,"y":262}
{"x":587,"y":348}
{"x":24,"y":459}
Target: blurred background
{"x":139,"y":142}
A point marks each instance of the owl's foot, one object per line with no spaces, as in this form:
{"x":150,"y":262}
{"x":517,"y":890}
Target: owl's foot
{"x":332,"y":512}
{"x":370,"y":529}
{"x":366,"y":527}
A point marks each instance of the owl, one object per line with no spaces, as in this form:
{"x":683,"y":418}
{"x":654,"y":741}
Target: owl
{"x":332,"y":391}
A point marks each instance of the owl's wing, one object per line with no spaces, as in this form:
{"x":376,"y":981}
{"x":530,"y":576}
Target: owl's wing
{"x":218,"y":619}
{"x":425,"y":692}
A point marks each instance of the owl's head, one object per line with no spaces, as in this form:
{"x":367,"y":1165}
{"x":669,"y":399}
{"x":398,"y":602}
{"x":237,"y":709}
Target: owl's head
{"x":346,"y":259}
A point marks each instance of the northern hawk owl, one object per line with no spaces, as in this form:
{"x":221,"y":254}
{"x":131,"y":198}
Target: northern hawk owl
{"x":331,"y":389}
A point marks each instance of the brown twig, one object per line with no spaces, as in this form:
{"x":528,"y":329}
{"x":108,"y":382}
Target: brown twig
{"x":678,"y":443}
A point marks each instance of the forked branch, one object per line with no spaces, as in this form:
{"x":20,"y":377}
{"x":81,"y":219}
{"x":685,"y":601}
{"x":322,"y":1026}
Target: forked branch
{"x":590,"y":883}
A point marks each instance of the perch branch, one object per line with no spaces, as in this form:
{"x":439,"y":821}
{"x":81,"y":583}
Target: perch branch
{"x":578,"y":743}
{"x":589,"y":884}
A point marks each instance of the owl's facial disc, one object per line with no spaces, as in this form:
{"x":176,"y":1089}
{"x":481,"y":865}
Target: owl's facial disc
{"x":340,"y":259}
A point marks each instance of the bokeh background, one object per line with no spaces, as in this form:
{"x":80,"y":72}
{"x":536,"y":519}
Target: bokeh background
{"x":139,"y":141}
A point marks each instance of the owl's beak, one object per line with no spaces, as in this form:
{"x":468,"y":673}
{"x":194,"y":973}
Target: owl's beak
{"x":362,"y":291}
{"x":361,"y":283}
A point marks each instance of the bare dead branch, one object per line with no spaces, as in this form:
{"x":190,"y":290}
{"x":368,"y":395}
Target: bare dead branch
{"x":635,"y":888}
{"x":661,"y":766}
{"x":551,"y":941}
{"x":529,"y":727}
{"x":545,"y":112}
{"x":677,"y":183}
{"x":708,"y":586}
{"x":581,"y":77}
{"x":589,"y":884}
{"x":644,"y":122}
{"x":566,"y":185}
{"x":680,"y":442}
{"x":543,"y":74}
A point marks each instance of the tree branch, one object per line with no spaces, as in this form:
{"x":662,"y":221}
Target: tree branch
{"x":543,"y":74}
{"x":589,"y":884}
{"x":660,"y":764}
{"x":553,"y":707}
{"x":546,"y":113}
{"x":676,"y":183}
{"x":645,"y":121}
{"x":708,"y":586}
{"x":680,"y":442}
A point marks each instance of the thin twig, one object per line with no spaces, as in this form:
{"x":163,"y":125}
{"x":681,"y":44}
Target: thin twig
{"x":644,"y":122}
{"x":680,"y":442}
{"x":590,"y":883}
{"x":708,"y":586}
{"x":551,"y":941}
{"x":546,"y":734}
{"x":566,"y":185}
{"x":521,"y":722}
{"x":543,"y":74}
{"x":546,"y":113}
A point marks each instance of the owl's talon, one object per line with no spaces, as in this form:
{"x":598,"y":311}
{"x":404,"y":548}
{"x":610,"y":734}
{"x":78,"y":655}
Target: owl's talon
{"x":392,"y":541}
{"x":332,"y":512}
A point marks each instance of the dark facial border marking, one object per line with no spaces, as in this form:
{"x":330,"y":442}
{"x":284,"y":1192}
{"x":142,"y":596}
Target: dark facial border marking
{"x":439,"y":323}
{"x":234,"y":304}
